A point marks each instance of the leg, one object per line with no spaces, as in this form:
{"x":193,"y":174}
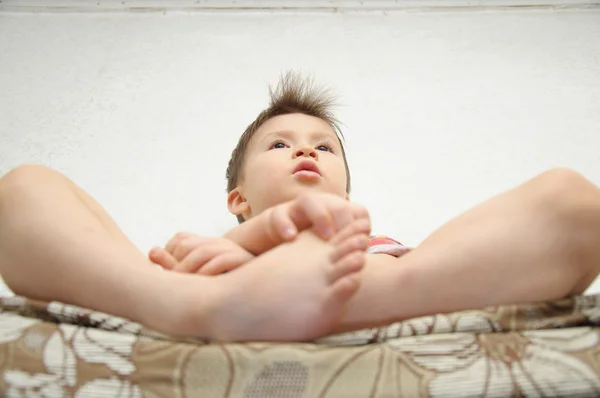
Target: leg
{"x":57,"y":243}
{"x":536,"y":242}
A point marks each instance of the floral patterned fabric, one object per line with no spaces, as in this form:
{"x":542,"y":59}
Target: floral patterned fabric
{"x":538,"y":350}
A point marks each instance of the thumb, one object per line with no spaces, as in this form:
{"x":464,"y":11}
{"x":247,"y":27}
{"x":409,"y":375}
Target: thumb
{"x":160,"y":256}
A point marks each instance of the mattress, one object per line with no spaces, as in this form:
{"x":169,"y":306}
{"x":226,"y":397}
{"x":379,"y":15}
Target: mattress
{"x":549,"y":349}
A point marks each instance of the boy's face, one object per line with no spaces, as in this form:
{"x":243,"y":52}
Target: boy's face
{"x":288,"y":155}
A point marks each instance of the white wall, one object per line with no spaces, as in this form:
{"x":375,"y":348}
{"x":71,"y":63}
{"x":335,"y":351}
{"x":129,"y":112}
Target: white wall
{"x":442,"y":108}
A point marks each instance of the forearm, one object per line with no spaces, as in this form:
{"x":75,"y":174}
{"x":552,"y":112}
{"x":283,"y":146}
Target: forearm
{"x":254,"y":235}
{"x":325,"y":213}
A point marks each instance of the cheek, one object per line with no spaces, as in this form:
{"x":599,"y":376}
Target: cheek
{"x":340,"y":174}
{"x":263,"y":173}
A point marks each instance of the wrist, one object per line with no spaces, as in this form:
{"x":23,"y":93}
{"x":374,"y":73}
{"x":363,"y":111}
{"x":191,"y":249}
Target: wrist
{"x":253,"y":235}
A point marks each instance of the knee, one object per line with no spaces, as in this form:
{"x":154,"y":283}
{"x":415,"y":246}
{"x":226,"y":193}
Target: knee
{"x":562,"y":191}
{"x":569,"y":206}
{"x":23,"y":177}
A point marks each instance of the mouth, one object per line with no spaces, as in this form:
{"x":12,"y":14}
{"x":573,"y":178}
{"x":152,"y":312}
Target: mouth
{"x":307,"y":168}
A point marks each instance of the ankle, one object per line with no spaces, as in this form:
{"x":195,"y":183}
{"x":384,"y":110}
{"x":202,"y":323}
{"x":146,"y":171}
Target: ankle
{"x":181,"y":305}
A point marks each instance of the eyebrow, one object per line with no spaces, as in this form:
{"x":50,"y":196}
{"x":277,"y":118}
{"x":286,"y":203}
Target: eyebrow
{"x":287,"y":134}
{"x":278,"y":134}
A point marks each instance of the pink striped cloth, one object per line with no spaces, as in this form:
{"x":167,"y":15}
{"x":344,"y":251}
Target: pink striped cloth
{"x":387,"y":245}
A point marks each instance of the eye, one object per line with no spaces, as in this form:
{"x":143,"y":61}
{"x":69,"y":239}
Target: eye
{"x":325,"y":147}
{"x":277,"y":145}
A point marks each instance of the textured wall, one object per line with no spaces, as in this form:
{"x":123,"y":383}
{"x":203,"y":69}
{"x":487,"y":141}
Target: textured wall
{"x":442,"y":109}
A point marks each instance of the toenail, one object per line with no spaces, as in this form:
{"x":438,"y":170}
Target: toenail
{"x":357,"y":257}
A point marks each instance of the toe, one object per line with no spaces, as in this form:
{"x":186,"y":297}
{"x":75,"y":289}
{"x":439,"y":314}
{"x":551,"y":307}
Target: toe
{"x":343,"y":289}
{"x":349,"y":264}
{"x":358,"y":227}
{"x":352,"y":244}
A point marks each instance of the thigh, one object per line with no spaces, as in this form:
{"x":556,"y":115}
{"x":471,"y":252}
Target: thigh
{"x":101,"y":214}
{"x":537,"y":241}
{"x":40,"y":181}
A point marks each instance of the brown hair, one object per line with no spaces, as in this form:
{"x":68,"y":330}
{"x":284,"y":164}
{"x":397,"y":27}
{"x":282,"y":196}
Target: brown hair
{"x":293,"y":94}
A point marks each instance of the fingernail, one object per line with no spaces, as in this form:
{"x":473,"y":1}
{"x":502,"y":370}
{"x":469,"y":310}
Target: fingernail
{"x":289,"y":233}
{"x":327,"y":232}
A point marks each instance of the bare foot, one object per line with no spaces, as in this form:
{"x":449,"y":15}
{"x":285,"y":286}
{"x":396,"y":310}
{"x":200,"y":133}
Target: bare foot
{"x":295,"y":292}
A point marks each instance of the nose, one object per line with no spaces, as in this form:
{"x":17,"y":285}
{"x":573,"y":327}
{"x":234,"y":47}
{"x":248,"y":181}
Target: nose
{"x":305,"y":151}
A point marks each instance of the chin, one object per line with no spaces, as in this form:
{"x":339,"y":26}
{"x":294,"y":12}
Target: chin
{"x":293,"y":193}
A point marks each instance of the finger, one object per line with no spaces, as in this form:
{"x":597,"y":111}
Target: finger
{"x":186,"y":245}
{"x":174,"y":241}
{"x":163,"y":258}
{"x":318,"y":214}
{"x":282,"y":224}
{"x":197,"y":258}
{"x":224,"y":263}
{"x":342,"y":217}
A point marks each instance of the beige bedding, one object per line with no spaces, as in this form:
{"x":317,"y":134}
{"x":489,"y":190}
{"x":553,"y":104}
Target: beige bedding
{"x":543,"y":350}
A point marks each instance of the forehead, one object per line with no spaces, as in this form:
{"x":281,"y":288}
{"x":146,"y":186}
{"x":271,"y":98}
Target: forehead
{"x":297,"y":124}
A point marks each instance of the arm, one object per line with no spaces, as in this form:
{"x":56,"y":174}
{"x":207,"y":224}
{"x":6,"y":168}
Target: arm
{"x":326,"y":213}
{"x":188,"y":252}
{"x":256,"y":235}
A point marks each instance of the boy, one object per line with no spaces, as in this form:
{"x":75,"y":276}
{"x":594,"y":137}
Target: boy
{"x":535,"y":242}
{"x":57,"y":243}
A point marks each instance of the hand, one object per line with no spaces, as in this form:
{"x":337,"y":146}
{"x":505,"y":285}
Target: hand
{"x":190,"y":253}
{"x":327,"y":213}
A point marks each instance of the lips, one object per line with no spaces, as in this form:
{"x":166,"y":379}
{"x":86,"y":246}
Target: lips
{"x":307,"y":165}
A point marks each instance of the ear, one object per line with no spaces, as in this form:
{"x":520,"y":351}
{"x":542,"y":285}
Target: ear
{"x":236,"y":203}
